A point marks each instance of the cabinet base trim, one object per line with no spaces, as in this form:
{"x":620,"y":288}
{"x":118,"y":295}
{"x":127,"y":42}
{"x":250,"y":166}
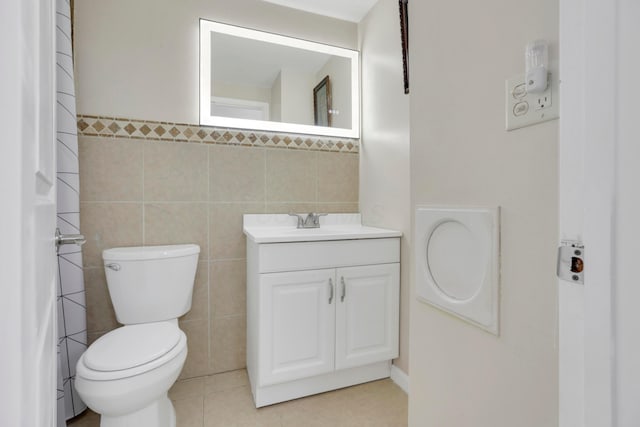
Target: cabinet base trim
{"x":276,"y":393}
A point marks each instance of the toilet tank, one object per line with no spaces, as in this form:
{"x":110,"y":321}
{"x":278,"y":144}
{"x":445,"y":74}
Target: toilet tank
{"x":150,"y":283}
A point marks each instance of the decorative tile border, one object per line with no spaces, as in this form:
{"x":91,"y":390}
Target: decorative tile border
{"x":118,"y":127}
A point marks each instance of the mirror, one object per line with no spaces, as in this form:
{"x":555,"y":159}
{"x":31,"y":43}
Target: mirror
{"x":256,"y":80}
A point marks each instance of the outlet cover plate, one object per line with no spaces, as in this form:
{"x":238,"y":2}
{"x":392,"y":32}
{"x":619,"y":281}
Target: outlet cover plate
{"x":526,"y":109}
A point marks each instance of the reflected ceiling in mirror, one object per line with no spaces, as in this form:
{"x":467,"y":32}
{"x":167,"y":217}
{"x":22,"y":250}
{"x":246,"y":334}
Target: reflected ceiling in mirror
{"x":256,"y":80}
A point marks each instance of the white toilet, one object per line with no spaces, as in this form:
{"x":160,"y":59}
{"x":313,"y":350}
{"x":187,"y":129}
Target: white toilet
{"x":125,"y":375}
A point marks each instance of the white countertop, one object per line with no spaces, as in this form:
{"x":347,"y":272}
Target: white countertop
{"x":281,"y":228}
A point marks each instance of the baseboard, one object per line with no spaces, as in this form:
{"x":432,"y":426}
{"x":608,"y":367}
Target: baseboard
{"x":400,"y":378}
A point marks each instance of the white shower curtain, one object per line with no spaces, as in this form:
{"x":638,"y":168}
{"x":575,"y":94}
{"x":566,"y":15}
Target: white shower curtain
{"x":72,"y":324}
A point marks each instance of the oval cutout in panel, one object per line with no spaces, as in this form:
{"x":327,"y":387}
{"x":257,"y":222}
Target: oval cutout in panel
{"x":455,"y":260}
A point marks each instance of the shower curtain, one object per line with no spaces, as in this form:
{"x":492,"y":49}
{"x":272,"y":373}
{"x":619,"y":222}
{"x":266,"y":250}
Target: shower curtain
{"x":72,"y":324}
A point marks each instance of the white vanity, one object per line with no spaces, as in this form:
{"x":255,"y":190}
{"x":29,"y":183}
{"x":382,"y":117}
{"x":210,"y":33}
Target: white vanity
{"x":322,"y":304}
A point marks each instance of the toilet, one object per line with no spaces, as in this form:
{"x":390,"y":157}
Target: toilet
{"x":125,"y":375}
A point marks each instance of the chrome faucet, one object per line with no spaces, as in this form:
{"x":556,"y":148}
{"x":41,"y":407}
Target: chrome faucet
{"x":311,"y":221}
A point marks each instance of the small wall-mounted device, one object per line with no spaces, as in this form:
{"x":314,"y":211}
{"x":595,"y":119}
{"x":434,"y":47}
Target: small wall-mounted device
{"x":536,"y":66}
{"x":533,"y":97}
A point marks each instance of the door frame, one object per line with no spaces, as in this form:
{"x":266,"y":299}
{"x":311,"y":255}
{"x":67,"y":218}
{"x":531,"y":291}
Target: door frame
{"x":587,"y":190}
{"x":11,"y":315}
{"x":27,"y":149}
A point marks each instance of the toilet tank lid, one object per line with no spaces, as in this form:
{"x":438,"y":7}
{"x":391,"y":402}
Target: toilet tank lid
{"x":137,"y":253}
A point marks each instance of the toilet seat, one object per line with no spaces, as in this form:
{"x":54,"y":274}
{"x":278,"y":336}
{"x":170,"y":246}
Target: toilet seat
{"x":132,"y":350}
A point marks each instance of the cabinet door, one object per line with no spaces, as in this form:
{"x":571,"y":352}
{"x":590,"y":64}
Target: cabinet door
{"x":297,"y":325}
{"x":367,"y":314}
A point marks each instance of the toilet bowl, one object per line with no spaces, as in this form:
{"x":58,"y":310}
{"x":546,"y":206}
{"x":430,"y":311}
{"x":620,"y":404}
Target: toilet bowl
{"x":126,"y":374}
{"x":125,"y":382}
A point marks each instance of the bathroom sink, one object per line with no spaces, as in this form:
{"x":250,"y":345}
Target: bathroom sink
{"x":282,"y":228}
{"x":318,"y":231}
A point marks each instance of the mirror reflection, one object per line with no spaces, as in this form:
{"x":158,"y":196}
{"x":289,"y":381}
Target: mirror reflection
{"x":257,"y":80}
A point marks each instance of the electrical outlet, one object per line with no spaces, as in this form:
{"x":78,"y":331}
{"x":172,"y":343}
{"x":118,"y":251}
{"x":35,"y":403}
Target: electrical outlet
{"x":526,"y":109}
{"x":543,"y":101}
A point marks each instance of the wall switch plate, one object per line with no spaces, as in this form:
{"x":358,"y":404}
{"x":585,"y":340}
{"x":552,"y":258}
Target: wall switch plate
{"x":526,"y":109}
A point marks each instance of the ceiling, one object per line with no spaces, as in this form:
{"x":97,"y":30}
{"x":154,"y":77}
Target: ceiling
{"x":347,"y":10}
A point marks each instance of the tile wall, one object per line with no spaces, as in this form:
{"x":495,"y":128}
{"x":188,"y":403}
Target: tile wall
{"x":138,"y":190}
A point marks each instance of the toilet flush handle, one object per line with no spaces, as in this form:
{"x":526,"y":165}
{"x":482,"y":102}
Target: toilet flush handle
{"x":113,"y":266}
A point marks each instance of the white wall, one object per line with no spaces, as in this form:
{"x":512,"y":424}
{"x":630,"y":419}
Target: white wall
{"x":139,"y":58}
{"x":275,"y":109}
{"x":384,"y":151}
{"x":461,"y":54}
{"x":296,"y":96}
{"x":245,"y":92}
{"x":339,"y":71}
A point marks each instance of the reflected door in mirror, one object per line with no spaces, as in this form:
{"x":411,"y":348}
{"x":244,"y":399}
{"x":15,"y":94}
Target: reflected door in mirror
{"x":322,"y":103}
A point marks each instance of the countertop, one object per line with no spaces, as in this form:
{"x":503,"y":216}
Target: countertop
{"x":281,"y":228}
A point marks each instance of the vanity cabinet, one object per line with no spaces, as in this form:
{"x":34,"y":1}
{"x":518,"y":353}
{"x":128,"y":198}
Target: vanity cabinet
{"x":297,"y":322}
{"x":367,"y":314}
{"x":318,"y":321}
{"x":320,"y":315}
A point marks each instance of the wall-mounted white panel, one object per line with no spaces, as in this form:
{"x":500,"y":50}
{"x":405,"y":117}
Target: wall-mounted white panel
{"x":457,"y":262}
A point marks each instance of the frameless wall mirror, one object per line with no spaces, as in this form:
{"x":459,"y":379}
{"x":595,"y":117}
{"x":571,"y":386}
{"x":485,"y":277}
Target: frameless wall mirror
{"x":256,"y":80}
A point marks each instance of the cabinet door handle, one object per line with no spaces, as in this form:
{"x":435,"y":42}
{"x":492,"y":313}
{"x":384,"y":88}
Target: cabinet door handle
{"x":344,"y":289}
{"x":330,"y":290}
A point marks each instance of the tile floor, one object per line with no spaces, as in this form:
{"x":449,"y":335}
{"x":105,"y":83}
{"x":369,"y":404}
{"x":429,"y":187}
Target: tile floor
{"x":224,"y":400}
